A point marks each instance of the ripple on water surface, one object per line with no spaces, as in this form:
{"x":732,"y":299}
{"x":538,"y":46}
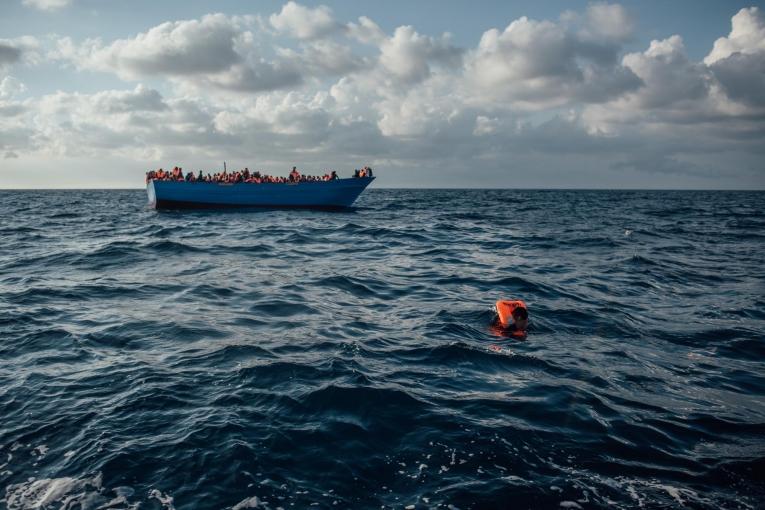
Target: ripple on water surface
{"x":307,"y":359}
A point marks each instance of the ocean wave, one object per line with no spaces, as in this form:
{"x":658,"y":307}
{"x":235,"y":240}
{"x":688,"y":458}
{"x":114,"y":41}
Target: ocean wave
{"x":228,"y":359}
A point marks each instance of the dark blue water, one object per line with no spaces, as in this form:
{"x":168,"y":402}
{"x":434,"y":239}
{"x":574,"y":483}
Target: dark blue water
{"x":301,"y":359}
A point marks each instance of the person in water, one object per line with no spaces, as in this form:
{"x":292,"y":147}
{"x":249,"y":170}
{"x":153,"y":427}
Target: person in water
{"x":520,"y":321}
{"x":512,"y":321}
{"x":512,"y":318}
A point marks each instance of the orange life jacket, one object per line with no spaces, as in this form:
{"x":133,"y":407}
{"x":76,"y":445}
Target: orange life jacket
{"x":505,"y":310}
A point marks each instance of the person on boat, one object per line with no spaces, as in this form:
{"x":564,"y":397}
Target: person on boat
{"x":333,"y":176}
{"x":294,"y":175}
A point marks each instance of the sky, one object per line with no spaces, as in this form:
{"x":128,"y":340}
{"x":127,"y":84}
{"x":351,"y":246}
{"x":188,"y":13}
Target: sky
{"x":458,"y":94}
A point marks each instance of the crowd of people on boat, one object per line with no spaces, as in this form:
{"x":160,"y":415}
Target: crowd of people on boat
{"x":364,"y":172}
{"x":242,"y":176}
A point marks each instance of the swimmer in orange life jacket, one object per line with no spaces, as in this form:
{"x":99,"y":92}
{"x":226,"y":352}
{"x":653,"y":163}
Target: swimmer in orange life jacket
{"x":513,"y":317}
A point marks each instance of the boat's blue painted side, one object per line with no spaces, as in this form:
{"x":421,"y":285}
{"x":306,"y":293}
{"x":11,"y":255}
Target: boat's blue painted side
{"x":337,"y":194}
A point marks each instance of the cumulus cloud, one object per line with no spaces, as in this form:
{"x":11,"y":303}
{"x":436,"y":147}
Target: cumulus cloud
{"x":309,"y":86}
{"x":609,"y":22}
{"x":742,"y":77}
{"x":366,"y":31}
{"x":747,"y":36}
{"x":124,"y":122}
{"x":140,"y":99}
{"x":408,"y":55}
{"x":46,"y":5}
{"x":669,"y":76}
{"x":10,"y":86}
{"x":684,"y":109}
{"x":411,"y":116}
{"x":541,"y":64}
{"x":24,"y":50}
{"x":172,"y":48}
{"x":303,"y":22}
{"x":674,"y":89}
{"x":738,"y":60}
{"x":11,"y":109}
{"x":216,"y":51}
{"x":324,"y":58}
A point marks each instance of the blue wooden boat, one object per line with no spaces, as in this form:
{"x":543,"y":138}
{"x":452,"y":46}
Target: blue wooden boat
{"x":337,"y":194}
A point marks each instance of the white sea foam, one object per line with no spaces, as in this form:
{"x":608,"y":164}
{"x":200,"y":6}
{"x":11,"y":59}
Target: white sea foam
{"x":252,"y":502}
{"x":677,"y":493}
{"x":47,"y":491}
{"x":165,"y":499}
{"x":40,"y":450}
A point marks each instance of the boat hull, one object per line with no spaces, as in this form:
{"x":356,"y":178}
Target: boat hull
{"x":337,"y":194}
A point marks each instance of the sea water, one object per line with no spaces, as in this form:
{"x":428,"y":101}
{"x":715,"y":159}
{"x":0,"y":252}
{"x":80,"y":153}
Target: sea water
{"x":305,"y":359}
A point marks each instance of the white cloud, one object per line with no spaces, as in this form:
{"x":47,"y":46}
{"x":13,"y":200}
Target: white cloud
{"x":46,"y":5}
{"x":172,"y":48}
{"x":140,"y":99}
{"x":215,"y":51}
{"x":409,"y":55}
{"x":682,"y":110}
{"x":738,"y":61}
{"x":485,"y":125}
{"x":540,"y":64}
{"x":673,"y":89}
{"x":366,"y":31}
{"x":10,"y":86}
{"x":24,"y":50}
{"x":609,"y":22}
{"x":747,"y":36}
{"x":324,"y":58}
{"x":668,"y":75}
{"x":304,"y":22}
{"x":295,"y":116}
{"x":108,"y":122}
{"x":321,"y":91}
